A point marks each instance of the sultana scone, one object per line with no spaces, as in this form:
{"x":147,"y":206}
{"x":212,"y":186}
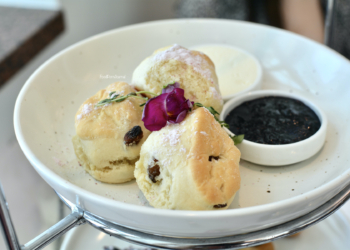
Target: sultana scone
{"x":193,"y":165}
{"x":192,"y":69}
{"x":109,"y":138}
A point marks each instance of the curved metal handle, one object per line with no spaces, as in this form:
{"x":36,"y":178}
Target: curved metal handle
{"x":8,"y":230}
{"x":76,"y":218}
{"x":227,"y":242}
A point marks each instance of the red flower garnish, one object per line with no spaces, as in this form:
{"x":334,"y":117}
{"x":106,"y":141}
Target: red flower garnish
{"x":170,"y":106}
{"x":154,"y":114}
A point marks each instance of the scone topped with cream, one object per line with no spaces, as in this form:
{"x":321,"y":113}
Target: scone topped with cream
{"x":192,"y":165}
{"x":109,"y":137}
{"x":192,"y":69}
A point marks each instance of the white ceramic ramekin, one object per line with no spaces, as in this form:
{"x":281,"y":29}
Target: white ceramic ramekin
{"x":278,"y":155}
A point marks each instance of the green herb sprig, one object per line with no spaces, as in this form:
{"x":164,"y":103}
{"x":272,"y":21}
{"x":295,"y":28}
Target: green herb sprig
{"x":237,"y":139}
{"x":113,"y":97}
{"x":118,"y":98}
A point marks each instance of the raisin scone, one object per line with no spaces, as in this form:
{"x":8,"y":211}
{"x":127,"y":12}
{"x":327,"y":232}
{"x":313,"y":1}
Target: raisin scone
{"x":109,"y":137}
{"x":192,"y":69}
{"x":193,"y":165}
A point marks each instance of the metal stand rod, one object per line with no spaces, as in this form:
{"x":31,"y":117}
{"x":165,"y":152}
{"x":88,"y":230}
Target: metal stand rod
{"x":8,"y":230}
{"x":60,"y":228}
{"x":61,"y":215}
{"x":76,"y":218}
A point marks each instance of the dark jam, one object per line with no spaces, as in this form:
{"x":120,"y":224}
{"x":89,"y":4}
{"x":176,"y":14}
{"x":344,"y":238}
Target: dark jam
{"x":273,"y":120}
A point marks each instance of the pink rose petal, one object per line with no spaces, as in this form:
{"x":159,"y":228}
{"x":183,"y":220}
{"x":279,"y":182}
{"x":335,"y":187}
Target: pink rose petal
{"x":181,"y":116}
{"x":171,"y":106}
{"x":154,"y":114}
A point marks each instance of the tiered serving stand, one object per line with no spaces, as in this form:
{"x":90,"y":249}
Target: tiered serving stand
{"x":79,"y":216}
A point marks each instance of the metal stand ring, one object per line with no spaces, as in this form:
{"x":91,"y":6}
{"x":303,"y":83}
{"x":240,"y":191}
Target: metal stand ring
{"x":228,"y":242}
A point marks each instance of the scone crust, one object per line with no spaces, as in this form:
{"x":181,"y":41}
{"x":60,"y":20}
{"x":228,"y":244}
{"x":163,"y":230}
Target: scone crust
{"x":188,"y":179}
{"x":218,"y":180}
{"x":192,"y":69}
{"x":99,"y":143}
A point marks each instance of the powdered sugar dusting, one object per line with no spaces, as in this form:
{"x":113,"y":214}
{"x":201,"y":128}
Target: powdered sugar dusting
{"x":87,"y":108}
{"x":184,"y":55}
{"x":165,"y":162}
{"x":205,"y":110}
{"x":173,"y":137}
{"x":216,"y":95}
{"x":203,"y":133}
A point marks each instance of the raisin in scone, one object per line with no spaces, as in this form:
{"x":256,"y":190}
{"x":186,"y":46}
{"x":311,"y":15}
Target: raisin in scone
{"x":192,"y":69}
{"x":193,"y":165}
{"x":109,"y":137}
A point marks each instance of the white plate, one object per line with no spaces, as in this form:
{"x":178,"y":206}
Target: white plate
{"x":45,"y":109}
{"x":332,"y":233}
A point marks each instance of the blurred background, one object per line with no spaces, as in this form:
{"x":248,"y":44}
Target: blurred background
{"x":32,"y":31}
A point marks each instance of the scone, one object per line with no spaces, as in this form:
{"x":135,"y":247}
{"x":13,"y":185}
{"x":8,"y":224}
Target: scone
{"x":193,"y":165}
{"x":192,"y":69}
{"x":109,"y":138}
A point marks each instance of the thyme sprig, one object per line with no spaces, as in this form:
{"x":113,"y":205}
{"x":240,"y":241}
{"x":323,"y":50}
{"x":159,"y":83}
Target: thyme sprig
{"x":113,"y":97}
{"x":237,"y":139}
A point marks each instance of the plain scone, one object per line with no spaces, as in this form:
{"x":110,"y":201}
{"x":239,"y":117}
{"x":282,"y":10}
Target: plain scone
{"x":99,"y":143}
{"x":192,"y":69}
{"x":198,"y":165}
